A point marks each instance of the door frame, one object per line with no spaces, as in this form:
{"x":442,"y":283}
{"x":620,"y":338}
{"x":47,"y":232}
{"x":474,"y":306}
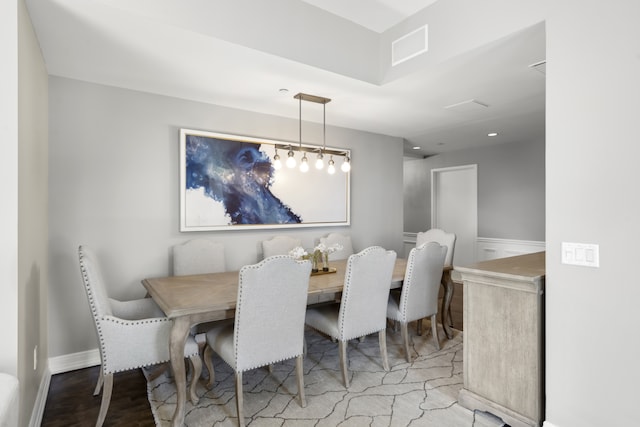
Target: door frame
{"x":435,"y":175}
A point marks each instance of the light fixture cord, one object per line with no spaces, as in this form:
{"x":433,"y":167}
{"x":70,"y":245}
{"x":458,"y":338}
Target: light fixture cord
{"x":300,"y":115}
{"x":324,"y":127}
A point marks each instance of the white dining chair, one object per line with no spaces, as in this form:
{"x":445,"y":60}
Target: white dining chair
{"x":363,"y":306}
{"x":341,"y":239}
{"x":269,"y":322}
{"x":131,"y":334}
{"x":279,"y":245}
{"x":446,"y":239}
{"x":198,"y":256}
{"x":419,"y":296}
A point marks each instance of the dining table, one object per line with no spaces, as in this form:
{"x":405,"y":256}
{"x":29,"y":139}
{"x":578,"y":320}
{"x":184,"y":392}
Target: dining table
{"x":195,"y":299}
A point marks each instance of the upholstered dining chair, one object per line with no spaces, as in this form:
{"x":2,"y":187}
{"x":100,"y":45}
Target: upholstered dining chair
{"x":363,"y":306}
{"x":441,"y":237}
{"x":446,"y":239}
{"x":419,"y":296}
{"x":279,"y":245}
{"x":198,"y":256}
{"x":269,"y":322}
{"x":342,"y":240}
{"x":131,"y":334}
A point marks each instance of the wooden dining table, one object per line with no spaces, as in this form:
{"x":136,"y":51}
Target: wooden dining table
{"x":190,"y":300}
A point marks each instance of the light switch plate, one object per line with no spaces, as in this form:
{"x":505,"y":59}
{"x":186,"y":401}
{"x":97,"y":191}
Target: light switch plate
{"x":583,"y":254}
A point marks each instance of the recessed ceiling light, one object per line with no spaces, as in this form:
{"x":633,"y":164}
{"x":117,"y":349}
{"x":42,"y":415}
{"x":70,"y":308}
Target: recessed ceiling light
{"x":492,"y":134}
{"x":416,"y":147}
{"x":284,"y":91}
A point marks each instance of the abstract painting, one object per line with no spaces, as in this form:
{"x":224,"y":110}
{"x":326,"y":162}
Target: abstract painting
{"x":229,"y":182}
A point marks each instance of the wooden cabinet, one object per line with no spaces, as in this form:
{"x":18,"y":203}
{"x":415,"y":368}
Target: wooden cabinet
{"x":504,"y":338}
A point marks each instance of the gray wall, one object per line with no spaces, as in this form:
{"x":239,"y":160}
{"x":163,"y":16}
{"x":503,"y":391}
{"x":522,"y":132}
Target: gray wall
{"x":511,"y":187}
{"x":114,"y":186}
{"x":592,"y":369}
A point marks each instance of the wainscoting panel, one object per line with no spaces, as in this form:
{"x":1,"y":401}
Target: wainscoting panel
{"x":487,"y":248}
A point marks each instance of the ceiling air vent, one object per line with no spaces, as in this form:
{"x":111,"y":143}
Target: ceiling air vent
{"x":409,"y":46}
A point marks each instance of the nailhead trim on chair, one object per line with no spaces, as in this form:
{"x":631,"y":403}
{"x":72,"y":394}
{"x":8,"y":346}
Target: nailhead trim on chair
{"x":348,"y":278}
{"x":235,"y":333}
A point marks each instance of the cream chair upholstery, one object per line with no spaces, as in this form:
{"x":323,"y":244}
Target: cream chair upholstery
{"x":446,"y":239}
{"x":441,"y":237}
{"x":198,"y":256}
{"x":269,"y":322}
{"x":131,"y":334}
{"x":279,"y":245}
{"x":363,"y":307}
{"x":341,"y":239}
{"x":419,"y":296}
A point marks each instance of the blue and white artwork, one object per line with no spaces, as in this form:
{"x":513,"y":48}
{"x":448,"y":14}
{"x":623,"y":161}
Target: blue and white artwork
{"x":229,"y":182}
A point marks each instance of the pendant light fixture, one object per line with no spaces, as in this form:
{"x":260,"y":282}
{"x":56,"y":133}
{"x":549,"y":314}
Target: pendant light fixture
{"x":321,"y":151}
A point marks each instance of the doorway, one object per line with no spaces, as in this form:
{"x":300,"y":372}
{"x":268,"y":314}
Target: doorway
{"x":454,"y":208}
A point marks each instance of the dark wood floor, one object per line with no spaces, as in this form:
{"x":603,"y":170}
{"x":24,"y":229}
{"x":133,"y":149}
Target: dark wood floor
{"x":71,"y":402}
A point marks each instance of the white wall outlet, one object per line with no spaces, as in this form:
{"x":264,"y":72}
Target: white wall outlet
{"x":583,"y":254}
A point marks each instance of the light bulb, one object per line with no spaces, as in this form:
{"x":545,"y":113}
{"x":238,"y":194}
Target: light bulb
{"x":304,"y":164}
{"x":331,"y":168}
{"x":346,"y":165}
{"x":291,"y":161}
{"x":319,"y":162}
{"x":277,"y":164}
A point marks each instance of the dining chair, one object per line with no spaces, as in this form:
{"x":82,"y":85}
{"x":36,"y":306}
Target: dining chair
{"x":198,"y":256}
{"x":447,"y":239}
{"x":342,"y":240}
{"x":279,"y":245}
{"x":269,"y":322}
{"x":131,"y":334}
{"x":363,"y":306}
{"x":419,"y":296}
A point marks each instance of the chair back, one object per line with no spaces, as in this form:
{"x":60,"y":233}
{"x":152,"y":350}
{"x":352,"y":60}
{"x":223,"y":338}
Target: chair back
{"x":441,"y":237}
{"x":198,"y":256}
{"x":94,"y":284}
{"x":419,"y":297}
{"x":270,"y":312}
{"x":341,"y":239}
{"x":363,"y":309}
{"x":279,"y":245}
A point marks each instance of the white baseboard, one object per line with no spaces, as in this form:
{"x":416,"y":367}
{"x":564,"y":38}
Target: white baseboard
{"x":58,"y":365}
{"x":73,"y":361}
{"x":41,"y":399}
{"x":548,"y":424}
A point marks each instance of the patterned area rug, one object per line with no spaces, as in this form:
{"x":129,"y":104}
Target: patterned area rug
{"x":421,"y":393}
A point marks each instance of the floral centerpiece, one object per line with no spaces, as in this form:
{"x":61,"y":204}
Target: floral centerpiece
{"x":320,"y":254}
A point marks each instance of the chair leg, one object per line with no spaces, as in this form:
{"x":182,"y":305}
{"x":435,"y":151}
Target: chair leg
{"x":419,"y":327}
{"x":342,"y":349}
{"x":196,"y":365}
{"x":239,"y":402}
{"x":208,"y":362}
{"x":434,"y":329}
{"x":300,"y":378}
{"x":106,"y":398}
{"x":99,"y":384}
{"x":405,"y":339}
{"x":382,"y":337}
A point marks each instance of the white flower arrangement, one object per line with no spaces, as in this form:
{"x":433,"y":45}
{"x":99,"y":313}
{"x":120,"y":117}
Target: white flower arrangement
{"x":298,"y":253}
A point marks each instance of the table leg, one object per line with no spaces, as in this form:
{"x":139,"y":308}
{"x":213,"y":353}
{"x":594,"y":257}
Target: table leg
{"x":446,"y":304}
{"x":179,"y":333}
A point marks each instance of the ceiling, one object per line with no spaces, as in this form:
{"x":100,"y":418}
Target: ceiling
{"x":241,"y":53}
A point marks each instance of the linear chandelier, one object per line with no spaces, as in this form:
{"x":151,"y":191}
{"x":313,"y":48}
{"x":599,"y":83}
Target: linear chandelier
{"x":320,"y":150}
